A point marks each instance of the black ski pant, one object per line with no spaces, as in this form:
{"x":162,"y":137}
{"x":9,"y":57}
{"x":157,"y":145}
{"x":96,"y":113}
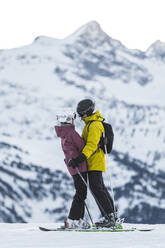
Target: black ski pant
{"x":78,"y":204}
{"x":99,"y":192}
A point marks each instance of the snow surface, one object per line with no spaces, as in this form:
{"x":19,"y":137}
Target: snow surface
{"x":29,"y":236}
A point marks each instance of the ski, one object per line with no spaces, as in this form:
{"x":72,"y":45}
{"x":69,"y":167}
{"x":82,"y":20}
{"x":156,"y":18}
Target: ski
{"x":94,"y":229}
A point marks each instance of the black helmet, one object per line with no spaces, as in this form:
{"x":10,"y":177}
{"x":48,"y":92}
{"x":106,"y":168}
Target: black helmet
{"x":85,"y":107}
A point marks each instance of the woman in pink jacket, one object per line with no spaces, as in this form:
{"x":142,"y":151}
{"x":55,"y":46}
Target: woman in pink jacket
{"x":72,"y":145}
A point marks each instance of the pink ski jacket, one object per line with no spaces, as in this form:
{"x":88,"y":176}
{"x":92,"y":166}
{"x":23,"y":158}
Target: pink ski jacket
{"x":72,"y":145}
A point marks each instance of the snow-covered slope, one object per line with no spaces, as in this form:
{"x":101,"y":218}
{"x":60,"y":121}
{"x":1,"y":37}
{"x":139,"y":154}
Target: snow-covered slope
{"x":28,"y":235}
{"x":50,"y":74}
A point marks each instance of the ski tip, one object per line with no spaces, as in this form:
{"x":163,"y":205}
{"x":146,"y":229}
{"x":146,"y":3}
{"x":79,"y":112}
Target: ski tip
{"x":146,"y":230}
{"x":44,"y":229}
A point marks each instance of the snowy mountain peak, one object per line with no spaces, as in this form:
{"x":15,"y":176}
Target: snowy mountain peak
{"x":157,"y":49}
{"x":91,"y":29}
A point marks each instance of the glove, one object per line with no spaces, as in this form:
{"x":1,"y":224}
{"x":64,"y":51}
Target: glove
{"x":74,"y":162}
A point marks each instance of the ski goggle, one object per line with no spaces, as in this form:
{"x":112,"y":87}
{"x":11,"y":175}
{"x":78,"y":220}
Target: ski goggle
{"x":82,"y":114}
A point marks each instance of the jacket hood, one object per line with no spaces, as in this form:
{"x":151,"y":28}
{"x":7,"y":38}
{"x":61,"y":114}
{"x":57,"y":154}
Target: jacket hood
{"x":95,"y":117}
{"x":62,"y":131}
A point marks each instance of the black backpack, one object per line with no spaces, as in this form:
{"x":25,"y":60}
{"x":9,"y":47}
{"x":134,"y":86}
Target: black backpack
{"x":106,"y":140}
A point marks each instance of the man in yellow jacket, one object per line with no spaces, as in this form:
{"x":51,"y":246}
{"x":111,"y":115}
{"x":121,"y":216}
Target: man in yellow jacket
{"x":95,"y":157}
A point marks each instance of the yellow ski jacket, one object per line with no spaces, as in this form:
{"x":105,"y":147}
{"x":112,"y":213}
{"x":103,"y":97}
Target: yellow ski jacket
{"x":91,"y":135}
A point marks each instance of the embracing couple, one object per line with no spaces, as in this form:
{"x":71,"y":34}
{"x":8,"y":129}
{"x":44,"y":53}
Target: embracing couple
{"x":85,"y":160}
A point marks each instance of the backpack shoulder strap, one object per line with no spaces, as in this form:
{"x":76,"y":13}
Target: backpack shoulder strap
{"x":89,"y":125}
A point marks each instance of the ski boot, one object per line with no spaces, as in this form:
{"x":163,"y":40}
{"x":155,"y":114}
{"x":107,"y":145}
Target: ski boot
{"x":118,"y":221}
{"x":107,"y":221}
